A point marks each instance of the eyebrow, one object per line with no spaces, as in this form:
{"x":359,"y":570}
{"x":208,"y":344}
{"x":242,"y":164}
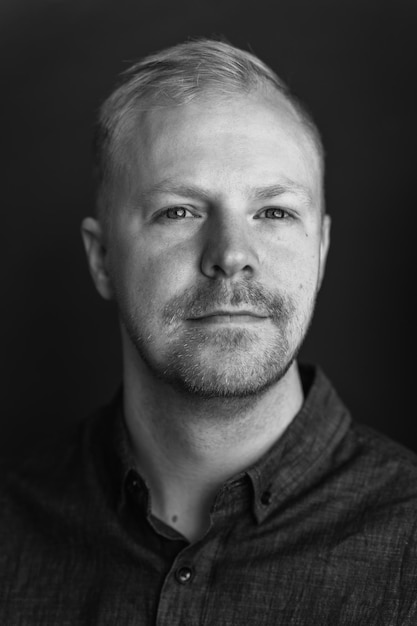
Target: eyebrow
{"x":258,"y":193}
{"x":270,"y":191}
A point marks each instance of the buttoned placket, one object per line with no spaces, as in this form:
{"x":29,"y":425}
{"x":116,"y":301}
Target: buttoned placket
{"x":189,"y":582}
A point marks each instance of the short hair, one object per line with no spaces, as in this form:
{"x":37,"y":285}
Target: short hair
{"x":175,"y":76}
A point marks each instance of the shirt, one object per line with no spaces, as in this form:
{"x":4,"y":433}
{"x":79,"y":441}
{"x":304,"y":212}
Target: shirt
{"x":320,"y":531}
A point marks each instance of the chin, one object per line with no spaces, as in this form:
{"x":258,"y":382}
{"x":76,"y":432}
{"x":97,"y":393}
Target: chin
{"x":232,"y":374}
{"x":227,"y":386}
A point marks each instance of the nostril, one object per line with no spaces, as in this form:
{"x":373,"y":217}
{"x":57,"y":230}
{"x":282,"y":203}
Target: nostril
{"x":228,"y":270}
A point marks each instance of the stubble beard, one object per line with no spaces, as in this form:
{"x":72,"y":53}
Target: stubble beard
{"x":221,"y":362}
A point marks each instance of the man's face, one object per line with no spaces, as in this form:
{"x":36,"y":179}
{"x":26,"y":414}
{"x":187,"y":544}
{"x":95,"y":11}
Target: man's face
{"x":217,"y":243}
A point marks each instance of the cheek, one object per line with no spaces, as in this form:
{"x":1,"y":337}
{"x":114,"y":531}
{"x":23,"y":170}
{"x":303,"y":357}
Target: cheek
{"x":294,"y":268}
{"x":151,"y":277}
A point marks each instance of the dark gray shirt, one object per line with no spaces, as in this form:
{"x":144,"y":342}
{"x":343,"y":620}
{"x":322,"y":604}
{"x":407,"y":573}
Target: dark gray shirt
{"x":321,"y":531}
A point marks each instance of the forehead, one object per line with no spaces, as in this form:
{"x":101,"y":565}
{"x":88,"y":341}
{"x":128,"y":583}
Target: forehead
{"x":240,"y":141}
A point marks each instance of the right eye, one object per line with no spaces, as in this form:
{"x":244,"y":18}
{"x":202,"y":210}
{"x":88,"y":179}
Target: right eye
{"x":177,"y":213}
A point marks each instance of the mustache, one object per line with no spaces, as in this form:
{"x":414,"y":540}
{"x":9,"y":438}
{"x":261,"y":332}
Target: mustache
{"x":197,"y":301}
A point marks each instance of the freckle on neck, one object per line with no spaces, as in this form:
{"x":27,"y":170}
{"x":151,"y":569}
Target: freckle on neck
{"x":174,"y":518}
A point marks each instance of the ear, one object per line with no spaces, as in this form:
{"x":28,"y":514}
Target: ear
{"x":324,"y":245}
{"x":95,"y":248}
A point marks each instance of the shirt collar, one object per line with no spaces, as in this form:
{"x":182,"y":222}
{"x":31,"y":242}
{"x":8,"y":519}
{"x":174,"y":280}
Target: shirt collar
{"x":303,"y":451}
{"x":292,"y":463}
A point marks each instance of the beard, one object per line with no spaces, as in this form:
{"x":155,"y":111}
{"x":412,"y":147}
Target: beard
{"x":220,"y":361}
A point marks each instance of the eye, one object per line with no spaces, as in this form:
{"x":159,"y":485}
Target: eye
{"x":176,"y":213}
{"x":275,"y":213}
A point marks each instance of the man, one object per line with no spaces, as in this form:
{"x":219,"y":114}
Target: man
{"x":225,"y":484}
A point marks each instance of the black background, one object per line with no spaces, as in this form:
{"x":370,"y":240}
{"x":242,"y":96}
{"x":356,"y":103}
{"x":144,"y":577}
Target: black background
{"x":352,"y":61}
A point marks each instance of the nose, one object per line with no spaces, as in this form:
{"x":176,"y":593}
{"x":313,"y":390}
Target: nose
{"x":229,"y":249}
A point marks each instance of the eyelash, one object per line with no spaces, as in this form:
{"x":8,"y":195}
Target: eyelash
{"x":285,"y":214}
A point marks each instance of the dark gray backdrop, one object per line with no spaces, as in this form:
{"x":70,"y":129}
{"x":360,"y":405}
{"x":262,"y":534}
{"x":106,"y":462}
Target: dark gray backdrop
{"x":352,"y":61}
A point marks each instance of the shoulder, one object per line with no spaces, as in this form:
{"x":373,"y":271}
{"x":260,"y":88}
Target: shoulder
{"x":382,"y":491}
{"x":55,"y":506}
{"x":358,"y":465}
{"x":375,"y":479}
{"x":49,"y":472}
{"x":57,"y":478}
{"x":381,"y":458}
{"x":356,"y":453}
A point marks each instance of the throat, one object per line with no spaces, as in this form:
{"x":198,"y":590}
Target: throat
{"x":192,"y":524}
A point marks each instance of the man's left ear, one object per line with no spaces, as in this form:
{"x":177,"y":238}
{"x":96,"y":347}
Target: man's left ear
{"x":96,"y":251}
{"x":324,"y":245}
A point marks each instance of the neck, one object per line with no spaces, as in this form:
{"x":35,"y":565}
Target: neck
{"x":186,"y":447}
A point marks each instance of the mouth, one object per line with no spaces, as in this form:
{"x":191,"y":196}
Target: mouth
{"x":229,"y":317}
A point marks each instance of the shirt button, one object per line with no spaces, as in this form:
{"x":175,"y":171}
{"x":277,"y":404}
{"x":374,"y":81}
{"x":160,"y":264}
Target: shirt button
{"x":266,"y":498}
{"x":133,"y":482}
{"x":184,"y":575}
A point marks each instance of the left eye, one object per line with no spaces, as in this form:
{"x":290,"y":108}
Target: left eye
{"x":176,"y":213}
{"x":277,"y":214}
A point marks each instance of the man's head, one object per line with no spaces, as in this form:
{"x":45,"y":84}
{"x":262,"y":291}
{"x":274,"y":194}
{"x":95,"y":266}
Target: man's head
{"x":211,"y":233}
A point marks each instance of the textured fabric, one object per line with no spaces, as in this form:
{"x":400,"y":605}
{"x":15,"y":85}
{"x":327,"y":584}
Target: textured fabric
{"x":320,"y":531}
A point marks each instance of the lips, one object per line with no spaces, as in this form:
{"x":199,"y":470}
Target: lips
{"x":225,"y":316}
{"x":230,"y":312}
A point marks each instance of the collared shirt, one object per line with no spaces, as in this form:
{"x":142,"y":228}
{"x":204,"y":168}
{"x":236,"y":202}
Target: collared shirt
{"x":320,"y":531}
